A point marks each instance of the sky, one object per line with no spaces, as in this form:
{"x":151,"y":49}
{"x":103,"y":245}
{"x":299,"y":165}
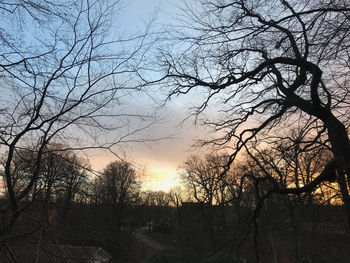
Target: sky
{"x":161,"y":159}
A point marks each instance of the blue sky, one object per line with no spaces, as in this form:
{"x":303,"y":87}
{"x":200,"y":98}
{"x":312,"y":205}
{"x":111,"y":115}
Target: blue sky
{"x":138,"y":12}
{"x":161,"y":159}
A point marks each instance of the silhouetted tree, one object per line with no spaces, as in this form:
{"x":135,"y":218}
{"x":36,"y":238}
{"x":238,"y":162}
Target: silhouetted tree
{"x":176,"y":196}
{"x":62,"y":76}
{"x":202,"y":178}
{"x":267,"y":66}
{"x":117,"y":188}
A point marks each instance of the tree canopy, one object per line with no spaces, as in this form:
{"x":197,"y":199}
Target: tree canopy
{"x":267,"y":67}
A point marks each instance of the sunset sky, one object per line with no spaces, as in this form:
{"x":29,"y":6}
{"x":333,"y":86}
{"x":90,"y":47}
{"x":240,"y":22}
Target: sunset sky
{"x":160,"y":159}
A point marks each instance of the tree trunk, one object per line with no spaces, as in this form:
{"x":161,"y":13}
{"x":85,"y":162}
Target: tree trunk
{"x":345,"y":194}
{"x":339,"y":140}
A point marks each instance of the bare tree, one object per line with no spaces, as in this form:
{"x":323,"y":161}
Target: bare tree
{"x":202,"y":178}
{"x":267,"y":66}
{"x":292,"y":164}
{"x":176,"y":196}
{"x":119,"y":188}
{"x":61,"y":77}
{"x":155,"y":208}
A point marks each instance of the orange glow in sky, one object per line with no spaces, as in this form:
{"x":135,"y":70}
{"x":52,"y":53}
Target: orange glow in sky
{"x":161,"y":179}
{"x":159,"y":160}
{"x":157,"y":175}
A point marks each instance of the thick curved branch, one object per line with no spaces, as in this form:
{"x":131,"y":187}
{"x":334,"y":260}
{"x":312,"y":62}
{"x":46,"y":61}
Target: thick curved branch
{"x":329,"y":174}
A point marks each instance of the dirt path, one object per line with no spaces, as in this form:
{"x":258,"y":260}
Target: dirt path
{"x":141,"y":236}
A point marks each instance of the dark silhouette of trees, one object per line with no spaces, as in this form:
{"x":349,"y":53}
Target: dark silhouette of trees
{"x":267,"y":67}
{"x":117,"y":188}
{"x":176,"y":196}
{"x":156,"y":210}
{"x":212,"y":191}
{"x":200,"y":178}
{"x":62,"y":76}
{"x":61,"y":174}
{"x":204,"y":180}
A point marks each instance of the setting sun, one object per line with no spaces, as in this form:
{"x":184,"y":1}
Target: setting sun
{"x":161,"y":179}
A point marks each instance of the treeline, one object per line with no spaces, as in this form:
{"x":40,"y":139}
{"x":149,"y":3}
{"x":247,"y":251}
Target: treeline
{"x":68,"y":203}
{"x":217,"y":207}
{"x":64,"y":178}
